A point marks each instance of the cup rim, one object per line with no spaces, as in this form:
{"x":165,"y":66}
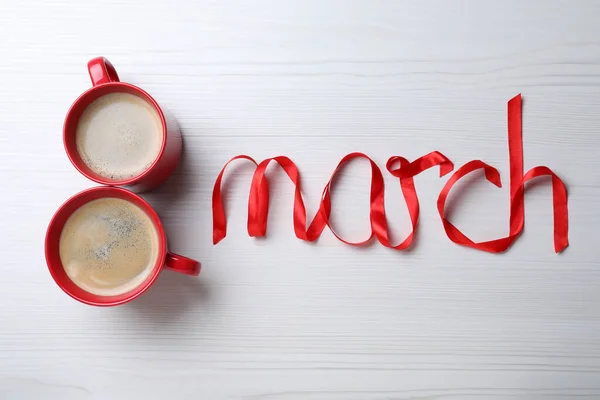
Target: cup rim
{"x":111,"y":87}
{"x":52,"y":255}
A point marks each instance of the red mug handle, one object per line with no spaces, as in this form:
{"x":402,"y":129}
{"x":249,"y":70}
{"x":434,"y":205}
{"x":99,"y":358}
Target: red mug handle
{"x":102,"y":71}
{"x":182,"y":264}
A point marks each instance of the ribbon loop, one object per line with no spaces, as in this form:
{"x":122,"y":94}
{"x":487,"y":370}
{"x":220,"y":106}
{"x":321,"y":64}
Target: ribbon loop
{"x":405,"y":173}
{"x":219,"y":218}
{"x":258,"y":205}
{"x":408,"y":170}
{"x":376,"y":210}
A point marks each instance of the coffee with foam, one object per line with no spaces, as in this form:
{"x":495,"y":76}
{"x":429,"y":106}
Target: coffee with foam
{"x":119,"y":135}
{"x":108,"y":246}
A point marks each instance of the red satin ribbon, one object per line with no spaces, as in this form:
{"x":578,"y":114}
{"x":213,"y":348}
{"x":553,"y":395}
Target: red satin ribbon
{"x":258,"y":203}
{"x":517,"y":188}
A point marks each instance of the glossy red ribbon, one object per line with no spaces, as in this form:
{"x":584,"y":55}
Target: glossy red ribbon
{"x":258,"y":202}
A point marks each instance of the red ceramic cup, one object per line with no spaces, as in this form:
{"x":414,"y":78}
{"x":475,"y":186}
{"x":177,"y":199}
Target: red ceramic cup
{"x":105,"y":80}
{"x":166,"y":260}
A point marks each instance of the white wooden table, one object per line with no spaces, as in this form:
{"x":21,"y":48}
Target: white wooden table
{"x":280,"y":319}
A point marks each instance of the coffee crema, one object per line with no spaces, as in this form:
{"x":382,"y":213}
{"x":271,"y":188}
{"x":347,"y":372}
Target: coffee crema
{"x":119,"y":135}
{"x":108,"y":246}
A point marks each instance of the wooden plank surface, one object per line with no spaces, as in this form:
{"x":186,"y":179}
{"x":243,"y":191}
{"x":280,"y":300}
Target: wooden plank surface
{"x":280,"y":319}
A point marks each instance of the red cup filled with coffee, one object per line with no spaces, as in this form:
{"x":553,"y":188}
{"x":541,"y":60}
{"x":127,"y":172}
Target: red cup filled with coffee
{"x":116,"y":134}
{"x":106,"y":246}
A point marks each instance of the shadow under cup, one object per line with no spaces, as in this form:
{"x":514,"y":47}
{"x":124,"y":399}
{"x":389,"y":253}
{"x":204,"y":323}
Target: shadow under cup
{"x":72,"y":119}
{"x":54,"y":232}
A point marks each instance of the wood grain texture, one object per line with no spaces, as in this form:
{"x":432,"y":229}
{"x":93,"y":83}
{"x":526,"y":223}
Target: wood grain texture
{"x":279,"y":319}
